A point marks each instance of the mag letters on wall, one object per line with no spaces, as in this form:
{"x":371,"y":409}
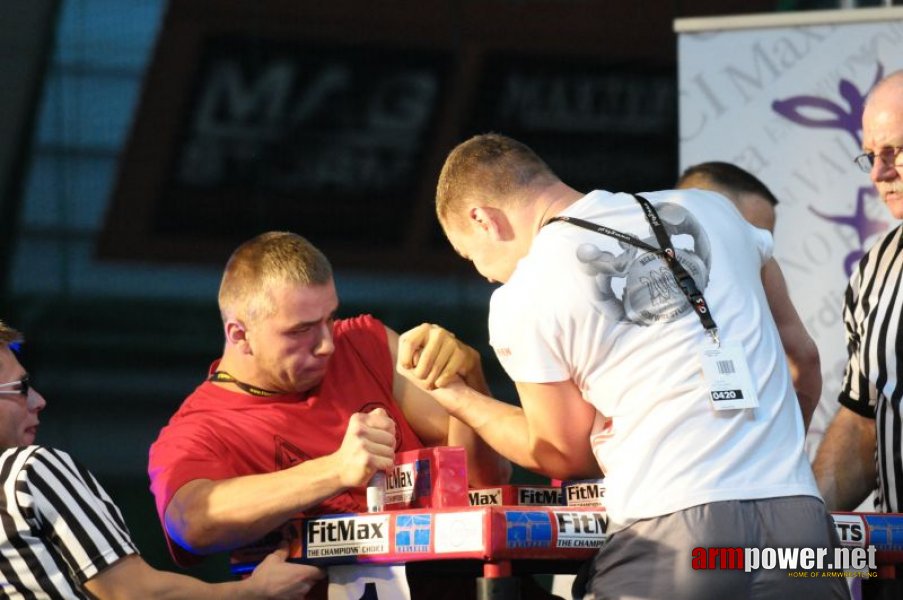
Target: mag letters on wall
{"x":333,"y":120}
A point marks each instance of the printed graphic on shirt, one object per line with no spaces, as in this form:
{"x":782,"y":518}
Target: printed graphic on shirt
{"x":287,"y":454}
{"x":638,"y":286}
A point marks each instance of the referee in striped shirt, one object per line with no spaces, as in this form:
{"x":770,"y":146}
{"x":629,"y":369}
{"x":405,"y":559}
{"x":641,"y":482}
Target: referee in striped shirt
{"x":862,"y":448}
{"x":63,"y":537}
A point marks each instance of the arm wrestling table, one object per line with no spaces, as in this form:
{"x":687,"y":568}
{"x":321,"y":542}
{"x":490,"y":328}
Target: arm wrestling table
{"x":504,"y":539}
{"x":507,"y":540}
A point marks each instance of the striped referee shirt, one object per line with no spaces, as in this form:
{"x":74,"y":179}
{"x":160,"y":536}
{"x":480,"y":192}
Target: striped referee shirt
{"x":60,"y":528}
{"x":872,"y":310}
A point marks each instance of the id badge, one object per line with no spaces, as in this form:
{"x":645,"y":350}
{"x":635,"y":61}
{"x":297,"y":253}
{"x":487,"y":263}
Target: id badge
{"x":727,"y":375}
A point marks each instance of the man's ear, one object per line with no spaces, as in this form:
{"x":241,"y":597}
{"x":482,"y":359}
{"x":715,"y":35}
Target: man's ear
{"x":236,"y":335}
{"x":491,"y":221}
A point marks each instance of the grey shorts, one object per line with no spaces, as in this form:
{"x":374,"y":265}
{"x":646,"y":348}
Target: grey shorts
{"x":652,"y":558}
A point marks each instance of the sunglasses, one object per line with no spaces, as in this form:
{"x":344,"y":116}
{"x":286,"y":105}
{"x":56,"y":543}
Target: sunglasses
{"x":21,"y":388}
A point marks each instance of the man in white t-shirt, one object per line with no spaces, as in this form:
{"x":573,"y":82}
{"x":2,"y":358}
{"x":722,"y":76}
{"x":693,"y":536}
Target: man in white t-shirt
{"x":680,"y":395}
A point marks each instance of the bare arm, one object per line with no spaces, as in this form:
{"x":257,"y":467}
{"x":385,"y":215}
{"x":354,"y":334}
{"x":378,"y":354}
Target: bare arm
{"x":550,"y":435}
{"x":802,"y":353}
{"x":131,"y":578}
{"x":208,"y":516}
{"x":559,"y":422}
{"x":440,"y":359}
{"x":845,"y":463}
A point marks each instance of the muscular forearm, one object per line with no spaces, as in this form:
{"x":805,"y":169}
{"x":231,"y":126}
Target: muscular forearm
{"x":484,"y":465}
{"x":210,"y":516}
{"x":502,"y":426}
{"x":844,"y":466}
{"x":431,"y":359}
{"x":506,"y":429}
{"x":131,"y":578}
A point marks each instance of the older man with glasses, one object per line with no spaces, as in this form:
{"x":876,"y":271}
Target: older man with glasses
{"x":862,"y":449}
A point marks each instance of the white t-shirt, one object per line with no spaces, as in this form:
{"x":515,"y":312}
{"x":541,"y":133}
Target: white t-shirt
{"x":608,"y":316}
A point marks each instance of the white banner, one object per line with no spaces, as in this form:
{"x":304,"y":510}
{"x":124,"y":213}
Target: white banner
{"x":781,"y":96}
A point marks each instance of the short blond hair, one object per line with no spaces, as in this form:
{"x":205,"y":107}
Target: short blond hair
{"x":490,"y":169}
{"x":269,"y":260}
{"x":8,"y":335}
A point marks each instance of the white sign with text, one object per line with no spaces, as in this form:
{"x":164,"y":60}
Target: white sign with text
{"x":781,"y":96}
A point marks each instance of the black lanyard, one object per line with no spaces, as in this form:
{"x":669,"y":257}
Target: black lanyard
{"x":223,"y":377}
{"x":684,"y":280}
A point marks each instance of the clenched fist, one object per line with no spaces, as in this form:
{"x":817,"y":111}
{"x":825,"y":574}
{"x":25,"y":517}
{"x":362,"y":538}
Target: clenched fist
{"x":368,"y":446}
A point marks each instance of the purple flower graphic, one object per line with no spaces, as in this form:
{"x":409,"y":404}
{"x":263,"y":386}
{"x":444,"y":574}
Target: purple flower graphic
{"x":865,"y":227}
{"x":812,"y":111}
{"x":816,"y":112}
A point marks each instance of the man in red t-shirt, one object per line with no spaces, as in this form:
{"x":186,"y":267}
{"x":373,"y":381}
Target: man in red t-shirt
{"x":300,"y":411}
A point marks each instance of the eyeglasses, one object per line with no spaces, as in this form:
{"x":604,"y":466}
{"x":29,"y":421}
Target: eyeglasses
{"x":888,"y":156}
{"x":22,"y":388}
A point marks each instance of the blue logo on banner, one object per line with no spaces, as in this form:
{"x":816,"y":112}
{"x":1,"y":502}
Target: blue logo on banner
{"x":885,"y":533}
{"x":528,"y":529}
{"x":412,"y":533}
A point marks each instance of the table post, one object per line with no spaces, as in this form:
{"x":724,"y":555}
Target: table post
{"x":497,"y":582}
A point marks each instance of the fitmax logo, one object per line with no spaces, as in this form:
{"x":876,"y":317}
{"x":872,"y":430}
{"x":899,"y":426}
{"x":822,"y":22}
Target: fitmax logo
{"x":585,"y":492}
{"x":400,"y":477}
{"x":342,"y":530}
{"x":581,"y":523}
{"x":485,"y":497}
{"x":538,"y":496}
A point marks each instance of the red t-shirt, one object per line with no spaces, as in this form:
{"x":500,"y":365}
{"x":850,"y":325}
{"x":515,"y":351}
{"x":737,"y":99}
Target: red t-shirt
{"x":220,"y":434}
